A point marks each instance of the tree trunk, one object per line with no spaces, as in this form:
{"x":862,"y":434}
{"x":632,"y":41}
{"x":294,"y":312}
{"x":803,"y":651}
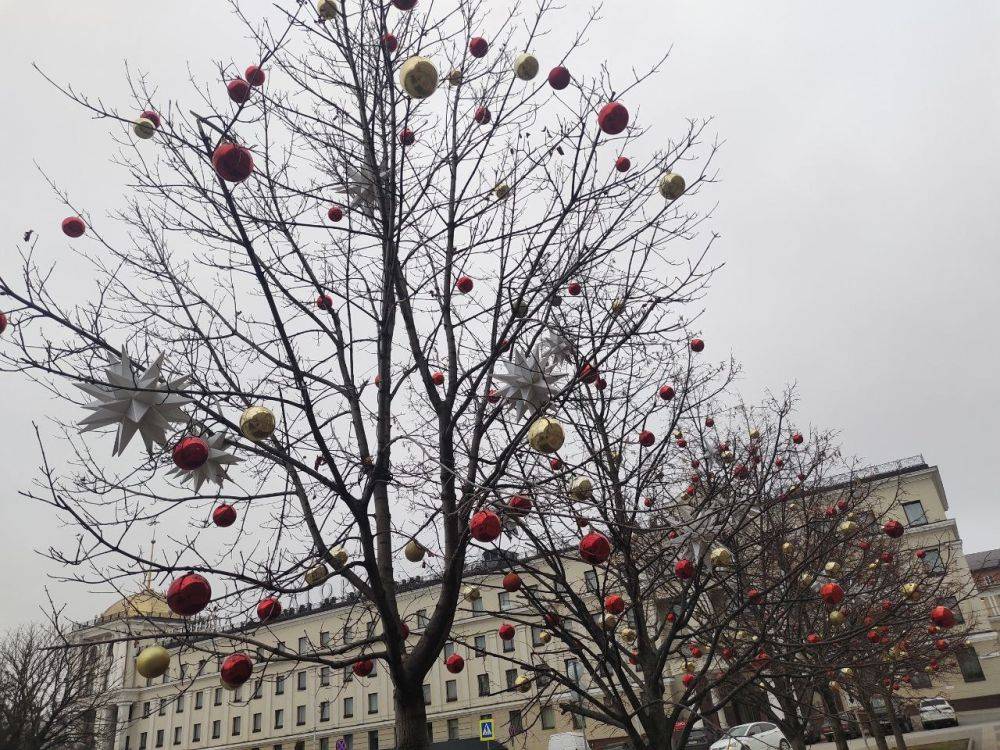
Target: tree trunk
{"x":411,"y":719}
{"x":873,"y":725}
{"x":834,"y":712}
{"x":897,"y":727}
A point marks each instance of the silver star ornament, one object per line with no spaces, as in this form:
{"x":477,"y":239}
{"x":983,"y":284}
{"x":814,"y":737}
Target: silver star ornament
{"x":215,"y":469}
{"x":527,"y":384}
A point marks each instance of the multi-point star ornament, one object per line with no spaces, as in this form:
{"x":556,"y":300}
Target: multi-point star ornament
{"x":359,"y":185}
{"x":146,"y":404}
{"x":527,"y":384}
{"x":215,"y":469}
{"x":557,"y":349}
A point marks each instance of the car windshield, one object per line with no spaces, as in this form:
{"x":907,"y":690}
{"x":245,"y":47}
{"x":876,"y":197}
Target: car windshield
{"x":933,"y":702}
{"x":740,"y":731}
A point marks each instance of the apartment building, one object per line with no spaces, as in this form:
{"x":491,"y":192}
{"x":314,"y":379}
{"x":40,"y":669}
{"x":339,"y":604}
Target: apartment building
{"x":985,"y":568}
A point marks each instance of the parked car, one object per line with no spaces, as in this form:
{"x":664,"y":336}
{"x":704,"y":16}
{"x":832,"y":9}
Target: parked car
{"x":937,"y":712}
{"x":882,"y":716}
{"x":700,"y":737}
{"x":758,"y":735}
{"x":847,"y":720}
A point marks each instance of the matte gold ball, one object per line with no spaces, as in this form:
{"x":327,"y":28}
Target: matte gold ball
{"x":837,"y":617}
{"x":317,"y":574}
{"x":414,"y":551}
{"x":721,"y":557}
{"x":628,"y":635}
{"x":754,"y":434}
{"x":339,"y":555}
{"x":832,"y":568}
{"x":911,"y":591}
{"x":672,"y":186}
{"x":546,"y":435}
{"x":847,"y":528}
{"x":455,"y":77}
{"x":806,"y":579}
{"x":144,"y":128}
{"x":418,"y":77}
{"x":523,"y":684}
{"x":788,"y":548}
{"x":526,"y":66}
{"x":501,"y":191}
{"x":581,"y":488}
{"x":327,"y":9}
{"x":847,"y":672}
{"x":257,"y":423}
{"x":472,"y":593}
{"x":152,"y":662}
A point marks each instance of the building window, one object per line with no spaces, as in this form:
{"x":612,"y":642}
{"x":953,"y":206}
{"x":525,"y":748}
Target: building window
{"x":216,"y":729}
{"x":257,"y":690}
{"x":348,"y":675}
{"x":258,"y":720}
{"x":162,"y":710}
{"x":933,"y":562}
{"x":514,"y":722}
{"x":915,"y":515}
{"x":503,"y":599}
{"x":196,"y":733}
{"x":449,"y":649}
{"x":590,"y":577}
{"x":128,"y":742}
{"x":177,"y":735}
{"x":131,"y":711}
{"x":183,"y":671}
{"x":324,"y":743}
{"x":511,"y":677}
{"x":159,"y":738}
{"x":349,"y":741}
{"x":300,"y":715}
{"x":217,"y":697}
{"x":324,"y":638}
{"x":279,"y":718}
{"x":483,"y":680}
{"x":373,"y":703}
{"x":453,"y":733}
{"x":578,"y":721}
{"x":427,"y":695}
{"x":542,"y":681}
{"x":373,"y":740}
{"x":421,"y":618}
{"x":430,"y":732}
{"x":536,"y":636}
{"x":142,"y":741}
{"x":508,"y":646}
{"x":478,"y":606}
{"x":348,"y":708}
{"x":324,"y":711}
{"x":548,"y":718}
{"x":199,"y":700}
{"x":279,"y":685}
{"x":968,"y":662}
{"x":348,"y":634}
{"x":303,"y":645}
{"x":237,"y":726}
{"x":302,"y":680}
{"x":145,"y":709}
{"x":485,"y":717}
{"x":573,"y":670}
{"x":324,"y":676}
{"x":451,"y":691}
{"x":238,"y":694}
{"x":480,"y":645}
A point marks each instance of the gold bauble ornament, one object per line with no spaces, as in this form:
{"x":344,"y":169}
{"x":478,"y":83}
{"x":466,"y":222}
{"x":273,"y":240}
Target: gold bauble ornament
{"x":847,"y":528}
{"x":617,"y":305}
{"x":144,"y":128}
{"x":609,"y":622}
{"x":581,"y":488}
{"x":502,"y":191}
{"x":327,"y":9}
{"x":523,"y":684}
{"x":678,"y":434}
{"x":339,"y":557}
{"x":847,"y":672}
{"x":472,"y":593}
{"x":418,"y":77}
{"x":317,"y":574}
{"x":928,"y":669}
{"x":526,"y":66}
{"x":721,"y":557}
{"x":257,"y":423}
{"x":837,"y":617}
{"x":628,"y":635}
{"x":546,"y":435}
{"x":754,"y":434}
{"x":690,"y":667}
{"x":806,"y":579}
{"x":872,"y":566}
{"x":911,"y":591}
{"x":832,"y":568}
{"x":788,"y":548}
{"x":454,"y":76}
{"x":545,"y":636}
{"x":152,"y":662}
{"x":414,"y":551}
{"x":672,"y":186}
{"x":727,"y":457}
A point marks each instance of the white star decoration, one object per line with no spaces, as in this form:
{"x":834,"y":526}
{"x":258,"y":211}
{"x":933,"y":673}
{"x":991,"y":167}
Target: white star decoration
{"x":147,"y":404}
{"x":557,"y":349}
{"x":360,"y":185}
{"x":528,"y":383}
{"x":215,"y":469}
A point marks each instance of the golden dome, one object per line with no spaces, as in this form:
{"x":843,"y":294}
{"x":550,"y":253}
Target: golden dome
{"x":147,"y":603}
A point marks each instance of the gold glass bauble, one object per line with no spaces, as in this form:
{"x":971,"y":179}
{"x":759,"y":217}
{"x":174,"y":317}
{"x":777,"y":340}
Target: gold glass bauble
{"x":837,"y":617}
{"x":546,"y":435}
{"x":628,"y":635}
{"x":526,"y":66}
{"x":672,"y":186}
{"x":152,"y":662}
{"x":911,"y":591}
{"x":327,"y":9}
{"x":257,"y":423}
{"x":581,"y":488}
{"x":414,"y":551}
{"x":317,"y":574}
{"x":721,"y":557}
{"x":544,"y":636}
{"x":454,"y":76}
{"x":472,"y":593}
{"x":418,"y":77}
{"x":502,"y":191}
{"x":522,"y":684}
{"x":832,"y":568}
{"x":144,"y":128}
{"x":339,"y":556}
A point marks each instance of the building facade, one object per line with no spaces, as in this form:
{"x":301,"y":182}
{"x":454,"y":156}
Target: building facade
{"x":302,"y":706}
{"x":985,"y":568}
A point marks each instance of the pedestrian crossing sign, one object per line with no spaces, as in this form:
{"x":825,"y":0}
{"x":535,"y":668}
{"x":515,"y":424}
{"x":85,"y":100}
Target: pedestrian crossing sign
{"x":486,"y":730}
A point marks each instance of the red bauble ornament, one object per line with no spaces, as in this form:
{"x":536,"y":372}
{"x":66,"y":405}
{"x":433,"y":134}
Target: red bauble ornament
{"x":512,"y":582}
{"x":595,"y":548}
{"x":670,"y":617}
{"x":454,"y":663}
{"x":943,"y":617}
{"x":191,"y":453}
{"x":666,"y":392}
{"x":600,"y":384}
{"x":812,"y":638}
{"x":873,"y":636}
{"x":335,"y":214}
{"x":73,"y":226}
{"x":684,"y":569}
{"x":646,"y":438}
{"x":464,"y":284}
{"x":941,"y":644}
{"x":189,"y":594}
{"x":741,"y":471}
{"x":153,"y":117}
{"x":697,"y":345}
{"x":325,"y":302}
{"x":239,"y":90}
{"x":555,"y":464}
{"x":407,"y":137}
{"x":224,"y":515}
{"x":755,"y":596}
{"x":255,"y":75}
{"x":613,"y":118}
{"x":921,"y":554}
{"x":559,"y":78}
{"x":363,"y":667}
{"x":797,"y":438}
{"x":236,"y":670}
{"x":831,"y":593}
{"x":582,"y":521}
{"x":493,"y":396}
{"x":268,"y":609}
{"x":405,"y":4}
{"x":404,"y":630}
{"x":485,"y":526}
{"x":519,"y":505}
{"x":648,"y":502}
{"x":389,"y":42}
{"x":588,"y":374}
{"x":552,"y":620}
{"x":830,"y":511}
{"x":574,"y":288}
{"x":232,"y":163}
{"x":886,"y":557}
{"x":623,"y":164}
{"x":688,"y":680}
{"x":3,"y":323}
{"x":779,"y":462}
{"x":482,"y":115}
{"x":893,"y":528}
{"x":506,"y":632}
{"x":437,"y":377}
{"x":614,"y":604}
{"x":842,"y":504}
{"x":478,"y":47}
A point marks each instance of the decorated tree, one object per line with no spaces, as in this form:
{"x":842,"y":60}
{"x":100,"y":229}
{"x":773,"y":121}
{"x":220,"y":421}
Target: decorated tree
{"x":346,"y":286}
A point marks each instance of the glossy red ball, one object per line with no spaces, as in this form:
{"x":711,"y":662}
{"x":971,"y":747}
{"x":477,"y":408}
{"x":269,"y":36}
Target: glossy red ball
{"x":239,"y":90}
{"x":623,"y":164}
{"x":236,"y":670}
{"x":335,"y":214}
{"x":485,"y":526}
{"x":595,"y":548}
{"x":255,"y":75}
{"x":189,"y":594}
{"x":483,"y":115}
{"x":464,"y":284}
{"x":191,"y":453}
{"x":613,"y":118}
{"x":73,"y":226}
{"x":478,"y":47}
{"x":224,"y":516}
{"x":232,"y":163}
{"x":559,"y":78}
{"x":697,"y":345}
{"x":268,"y":609}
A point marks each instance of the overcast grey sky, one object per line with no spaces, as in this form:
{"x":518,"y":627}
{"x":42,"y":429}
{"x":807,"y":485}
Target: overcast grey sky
{"x":857,"y":207}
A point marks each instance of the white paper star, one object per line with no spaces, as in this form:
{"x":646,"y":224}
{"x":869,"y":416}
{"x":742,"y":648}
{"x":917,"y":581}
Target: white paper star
{"x":360,"y":185}
{"x":215,"y":469}
{"x":147,"y":404}
{"x":528,"y":383}
{"x":557,"y":349}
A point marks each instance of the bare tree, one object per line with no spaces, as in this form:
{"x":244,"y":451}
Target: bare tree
{"x":50,"y":697}
{"x":364,"y":268}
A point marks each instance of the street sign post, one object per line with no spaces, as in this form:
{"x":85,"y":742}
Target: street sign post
{"x":486,"y":730}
